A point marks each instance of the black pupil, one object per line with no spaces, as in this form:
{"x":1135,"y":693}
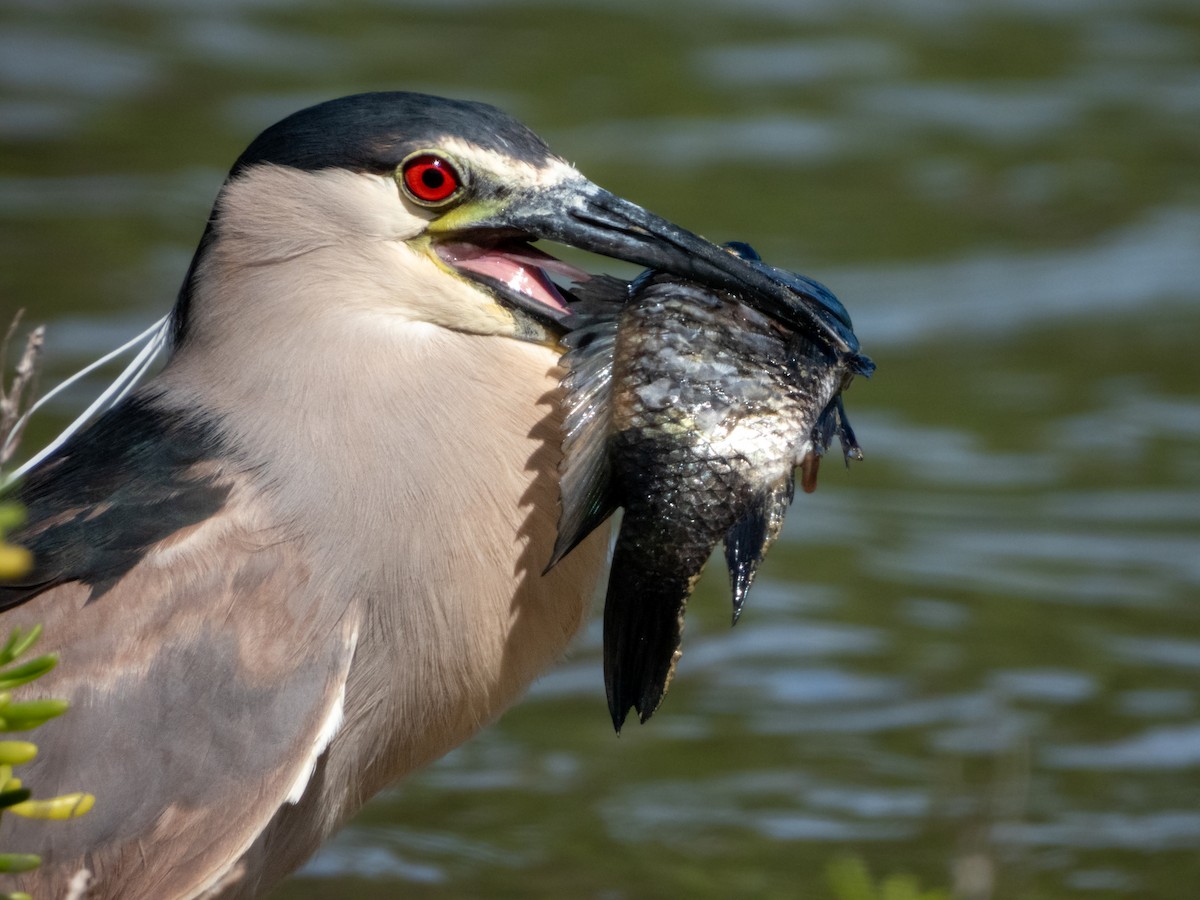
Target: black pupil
{"x":433,"y":178}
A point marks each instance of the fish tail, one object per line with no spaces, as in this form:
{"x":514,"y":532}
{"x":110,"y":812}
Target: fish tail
{"x":643,"y":626}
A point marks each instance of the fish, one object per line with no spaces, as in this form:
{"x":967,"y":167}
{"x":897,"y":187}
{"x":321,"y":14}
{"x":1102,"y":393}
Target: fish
{"x":691,"y":412}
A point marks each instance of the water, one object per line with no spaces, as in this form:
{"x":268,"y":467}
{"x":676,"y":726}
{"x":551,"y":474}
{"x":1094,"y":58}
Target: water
{"x":973,"y":657}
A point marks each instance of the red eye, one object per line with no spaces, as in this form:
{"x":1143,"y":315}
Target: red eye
{"x":430,"y":179}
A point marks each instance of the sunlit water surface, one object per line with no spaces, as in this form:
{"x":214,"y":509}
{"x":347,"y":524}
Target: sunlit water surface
{"x":973,"y":657}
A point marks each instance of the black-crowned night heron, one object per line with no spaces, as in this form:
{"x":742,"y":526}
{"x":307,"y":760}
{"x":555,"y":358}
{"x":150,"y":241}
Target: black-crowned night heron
{"x":307,"y":556}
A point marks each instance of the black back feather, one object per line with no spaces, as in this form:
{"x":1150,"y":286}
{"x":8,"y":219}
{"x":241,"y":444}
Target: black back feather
{"x":96,"y":506}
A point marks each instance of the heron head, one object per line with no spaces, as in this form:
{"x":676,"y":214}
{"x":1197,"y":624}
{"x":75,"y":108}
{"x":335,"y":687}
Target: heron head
{"x":428,"y":209}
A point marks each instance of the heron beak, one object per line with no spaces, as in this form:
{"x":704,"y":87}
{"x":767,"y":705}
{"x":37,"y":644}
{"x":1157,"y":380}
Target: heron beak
{"x":580,"y":214}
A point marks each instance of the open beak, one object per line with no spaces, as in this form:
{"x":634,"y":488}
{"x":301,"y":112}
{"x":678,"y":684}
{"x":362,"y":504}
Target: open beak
{"x":580,"y":214}
{"x":516,"y":272}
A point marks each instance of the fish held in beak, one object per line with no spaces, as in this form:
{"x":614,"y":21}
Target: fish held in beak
{"x":690,"y":409}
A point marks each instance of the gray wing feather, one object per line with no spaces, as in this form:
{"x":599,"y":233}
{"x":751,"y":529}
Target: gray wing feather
{"x":200,"y":689}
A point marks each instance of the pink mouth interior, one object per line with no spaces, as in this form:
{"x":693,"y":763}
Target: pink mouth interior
{"x":518,"y":266}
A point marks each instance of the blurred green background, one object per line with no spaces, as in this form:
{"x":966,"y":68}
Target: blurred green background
{"x":973,"y":657}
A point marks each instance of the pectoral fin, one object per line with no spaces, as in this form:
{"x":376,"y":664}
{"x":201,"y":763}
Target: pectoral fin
{"x":845,"y":433}
{"x":585,"y":471}
{"x":833,"y":422}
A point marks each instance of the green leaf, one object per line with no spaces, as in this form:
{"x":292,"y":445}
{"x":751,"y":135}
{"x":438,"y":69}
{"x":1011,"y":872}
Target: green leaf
{"x":18,"y":642}
{"x":12,"y":515}
{"x":27,"y":672}
{"x":14,"y":753}
{"x":901,"y":887}
{"x":849,"y":879}
{"x":14,"y":561}
{"x":32,"y":713}
{"x":68,"y":806}
{"x":19,"y":862}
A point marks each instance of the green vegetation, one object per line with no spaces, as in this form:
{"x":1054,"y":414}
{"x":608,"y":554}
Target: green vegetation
{"x":23,"y":715}
{"x":849,"y":879}
{"x":13,"y":560}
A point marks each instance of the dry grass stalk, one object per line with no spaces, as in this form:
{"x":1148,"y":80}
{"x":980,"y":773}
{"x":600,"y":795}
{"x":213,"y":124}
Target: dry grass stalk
{"x":13,"y":399}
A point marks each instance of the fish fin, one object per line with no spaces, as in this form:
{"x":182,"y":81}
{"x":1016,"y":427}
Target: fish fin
{"x":643,"y":628}
{"x":599,"y":296}
{"x":845,"y":433}
{"x":833,"y":423}
{"x":585,"y":471}
{"x":747,"y":542}
{"x":642,"y":634}
{"x":858,"y":364}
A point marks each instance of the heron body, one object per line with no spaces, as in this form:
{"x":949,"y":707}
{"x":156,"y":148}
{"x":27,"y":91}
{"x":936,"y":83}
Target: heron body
{"x":248,"y":640}
{"x":307,"y":557}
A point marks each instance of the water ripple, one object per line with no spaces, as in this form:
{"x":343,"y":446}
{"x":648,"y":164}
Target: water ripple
{"x":1155,"y":831}
{"x":1159,"y":748}
{"x":49,"y":60}
{"x":692,"y":143}
{"x":798,"y":62}
{"x":1134,"y":267}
